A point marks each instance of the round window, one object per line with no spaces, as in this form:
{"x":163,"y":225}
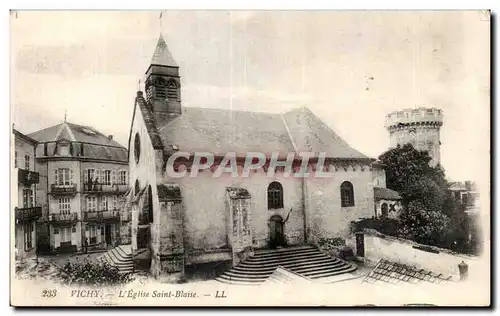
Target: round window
{"x":137,"y":147}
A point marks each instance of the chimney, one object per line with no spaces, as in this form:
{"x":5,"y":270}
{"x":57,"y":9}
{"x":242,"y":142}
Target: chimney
{"x":110,"y":137}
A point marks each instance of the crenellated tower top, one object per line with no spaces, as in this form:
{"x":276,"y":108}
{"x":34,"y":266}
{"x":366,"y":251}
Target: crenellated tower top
{"x":419,"y":127}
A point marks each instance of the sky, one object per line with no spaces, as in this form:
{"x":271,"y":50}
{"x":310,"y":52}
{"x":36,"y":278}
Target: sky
{"x":88,"y":64}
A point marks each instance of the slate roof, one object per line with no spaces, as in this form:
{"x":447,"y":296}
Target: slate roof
{"x":458,"y":186}
{"x":394,"y":273}
{"x":219,"y":131}
{"x":24,"y":137}
{"x":162,"y":55}
{"x":96,"y":145}
{"x":73,"y":132}
{"x":385,"y":194}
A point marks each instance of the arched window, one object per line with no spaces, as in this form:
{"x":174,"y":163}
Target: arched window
{"x":137,"y":147}
{"x":347,"y":194}
{"x":384,"y":211}
{"x":150,"y":204}
{"x":160,"y":89}
{"x":136,"y":187}
{"x":172,"y":91}
{"x":274,"y":195}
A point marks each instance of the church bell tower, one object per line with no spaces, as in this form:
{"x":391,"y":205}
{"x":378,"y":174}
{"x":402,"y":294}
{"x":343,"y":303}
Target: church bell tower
{"x":163,"y":84}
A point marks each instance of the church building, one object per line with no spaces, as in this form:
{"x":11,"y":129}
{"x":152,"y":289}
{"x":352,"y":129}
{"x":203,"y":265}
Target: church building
{"x":192,"y":220}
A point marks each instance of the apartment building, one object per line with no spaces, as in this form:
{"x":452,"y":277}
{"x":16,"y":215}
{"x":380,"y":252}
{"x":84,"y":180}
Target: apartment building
{"x":26,"y":211}
{"x":84,"y":178}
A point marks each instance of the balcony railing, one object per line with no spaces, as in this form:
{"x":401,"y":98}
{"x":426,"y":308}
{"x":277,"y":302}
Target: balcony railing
{"x":70,"y":217}
{"x":101,"y":215}
{"x":104,"y":188}
{"x":27,"y":177}
{"x":63,"y":188}
{"x":27,"y":213}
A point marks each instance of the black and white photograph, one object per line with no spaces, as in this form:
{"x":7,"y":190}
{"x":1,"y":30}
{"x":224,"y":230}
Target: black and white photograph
{"x":250,"y":158}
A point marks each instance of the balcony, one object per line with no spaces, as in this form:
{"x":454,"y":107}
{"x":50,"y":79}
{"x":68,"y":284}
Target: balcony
{"x":28,"y":213}
{"x":63,"y":218}
{"x":100,"y":216}
{"x":94,"y":188}
{"x":27,"y":177}
{"x":63,"y":188}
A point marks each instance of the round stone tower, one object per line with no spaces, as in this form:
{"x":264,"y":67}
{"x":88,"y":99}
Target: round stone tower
{"x":419,"y":127}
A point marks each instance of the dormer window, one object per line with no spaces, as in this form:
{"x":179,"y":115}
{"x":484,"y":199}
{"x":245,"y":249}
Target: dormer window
{"x":64,"y":150}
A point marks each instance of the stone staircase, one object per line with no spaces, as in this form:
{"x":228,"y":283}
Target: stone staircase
{"x":121,"y":258}
{"x":307,"y":261}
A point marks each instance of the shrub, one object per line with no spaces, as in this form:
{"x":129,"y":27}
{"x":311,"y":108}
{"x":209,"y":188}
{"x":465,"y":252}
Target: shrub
{"x":387,"y":226}
{"x":91,"y":273}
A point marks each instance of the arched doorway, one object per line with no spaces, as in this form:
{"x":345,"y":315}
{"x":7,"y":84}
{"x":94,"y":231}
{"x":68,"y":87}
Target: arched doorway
{"x":276,"y":232}
{"x":385,"y":212}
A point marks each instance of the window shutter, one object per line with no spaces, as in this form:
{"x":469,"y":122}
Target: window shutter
{"x":55,"y":176}
{"x":70,"y":176}
{"x":86,"y":176}
{"x":113,"y":177}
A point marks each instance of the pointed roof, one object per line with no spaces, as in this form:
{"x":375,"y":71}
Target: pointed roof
{"x":162,"y":55}
{"x":221,"y":131}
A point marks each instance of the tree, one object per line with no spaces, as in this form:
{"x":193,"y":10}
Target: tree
{"x":408,"y":172}
{"x":430,"y":213}
{"x":405,"y":165}
{"x":422,"y":225}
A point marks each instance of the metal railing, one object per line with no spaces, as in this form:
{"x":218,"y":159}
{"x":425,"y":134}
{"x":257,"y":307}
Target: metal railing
{"x":69,"y":217}
{"x":63,"y":188}
{"x":104,"y":188}
{"x":27,"y":177}
{"x":101,"y":215}
{"x":28,"y":212}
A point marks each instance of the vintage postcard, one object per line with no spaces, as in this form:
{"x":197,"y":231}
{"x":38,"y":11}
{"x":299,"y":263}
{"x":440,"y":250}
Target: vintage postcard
{"x":250,"y":158}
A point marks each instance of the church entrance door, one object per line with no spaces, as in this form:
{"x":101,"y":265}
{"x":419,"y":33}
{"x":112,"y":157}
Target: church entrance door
{"x":276,"y":232}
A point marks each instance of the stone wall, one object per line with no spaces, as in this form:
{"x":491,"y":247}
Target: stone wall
{"x":206,"y":195}
{"x":325,"y":216}
{"x":145,"y":173}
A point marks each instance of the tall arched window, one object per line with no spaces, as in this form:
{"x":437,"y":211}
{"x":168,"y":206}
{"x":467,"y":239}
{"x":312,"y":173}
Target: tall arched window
{"x":136,"y":187}
{"x":172,"y":91}
{"x":137,"y":147}
{"x":347,"y":194}
{"x":274,"y":195}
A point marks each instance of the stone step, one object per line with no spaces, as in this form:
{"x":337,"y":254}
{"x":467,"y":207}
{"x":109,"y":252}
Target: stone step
{"x":111,"y":260}
{"x":283,"y":253}
{"x":119,"y":261}
{"x":291,"y":265}
{"x":266,"y":251}
{"x":119,"y":257}
{"x":311,"y":271}
{"x":123,"y":253}
{"x":306,"y":261}
{"x":282,"y":256}
{"x":287,"y":260}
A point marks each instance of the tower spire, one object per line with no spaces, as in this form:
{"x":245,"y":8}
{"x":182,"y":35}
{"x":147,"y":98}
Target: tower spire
{"x":65,"y":115}
{"x":161,"y":22}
